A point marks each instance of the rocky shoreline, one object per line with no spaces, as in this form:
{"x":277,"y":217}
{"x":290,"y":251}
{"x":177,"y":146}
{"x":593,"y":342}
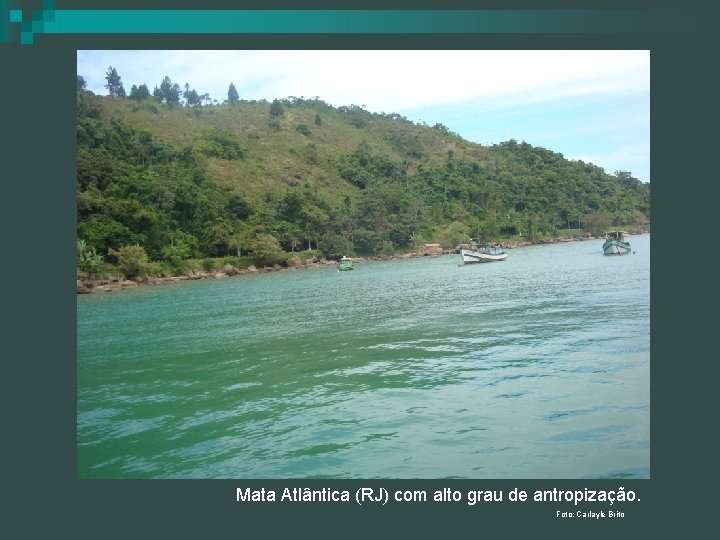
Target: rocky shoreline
{"x":120,"y":283}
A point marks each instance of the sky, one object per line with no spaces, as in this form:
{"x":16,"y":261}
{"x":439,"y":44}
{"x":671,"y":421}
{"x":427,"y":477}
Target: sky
{"x":592,"y":106}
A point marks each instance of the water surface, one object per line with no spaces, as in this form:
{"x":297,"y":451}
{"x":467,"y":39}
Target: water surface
{"x":535,"y":367}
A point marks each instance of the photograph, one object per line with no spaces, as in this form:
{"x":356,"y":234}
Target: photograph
{"x":363,"y":264}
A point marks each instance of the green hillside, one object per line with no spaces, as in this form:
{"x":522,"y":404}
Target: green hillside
{"x":265,"y":179}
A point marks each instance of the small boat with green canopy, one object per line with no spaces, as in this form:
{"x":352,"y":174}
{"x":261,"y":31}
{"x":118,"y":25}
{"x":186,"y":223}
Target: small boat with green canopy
{"x":346,"y":263}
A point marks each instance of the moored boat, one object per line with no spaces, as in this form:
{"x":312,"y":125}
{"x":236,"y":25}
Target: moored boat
{"x":615,"y":243}
{"x":483,"y":254}
{"x":346,"y":263}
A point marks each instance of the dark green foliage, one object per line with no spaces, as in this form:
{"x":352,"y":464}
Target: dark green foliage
{"x":336,"y":245}
{"x":276,"y":109}
{"x":139,"y":92}
{"x":132,"y":189}
{"x":192,"y":98}
{"x":216,"y":143}
{"x":88,"y":259}
{"x":357,"y":116}
{"x":237,"y":207}
{"x":87,"y":104}
{"x":168,"y":92}
{"x":366,"y":184}
{"x":132,"y":260}
{"x":176,"y":252}
{"x":267,"y":248}
{"x":233,"y":94}
{"x":302,"y":128}
{"x":114,"y":83}
{"x":208,"y":264}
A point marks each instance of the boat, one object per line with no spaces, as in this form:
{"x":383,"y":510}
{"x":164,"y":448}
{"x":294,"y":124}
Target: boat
{"x":346,"y":263}
{"x":483,"y":254}
{"x":615,"y":243}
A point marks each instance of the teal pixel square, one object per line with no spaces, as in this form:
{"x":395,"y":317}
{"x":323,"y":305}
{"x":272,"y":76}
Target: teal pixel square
{"x":15,"y":15}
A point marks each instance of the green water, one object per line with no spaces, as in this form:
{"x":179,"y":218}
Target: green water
{"x":535,"y":367}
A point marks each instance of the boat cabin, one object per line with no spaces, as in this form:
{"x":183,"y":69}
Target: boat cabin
{"x":346,"y":263}
{"x":616,"y":235}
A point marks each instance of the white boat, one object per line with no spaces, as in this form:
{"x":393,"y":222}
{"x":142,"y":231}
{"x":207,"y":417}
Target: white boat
{"x":483,"y":254}
{"x":615,"y":244}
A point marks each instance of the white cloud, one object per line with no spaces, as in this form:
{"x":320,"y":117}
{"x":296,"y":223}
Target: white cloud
{"x":392,"y":80}
{"x":383,"y":80}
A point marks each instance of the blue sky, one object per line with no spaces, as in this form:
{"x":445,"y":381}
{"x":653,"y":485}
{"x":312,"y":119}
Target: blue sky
{"x":587,"y":105}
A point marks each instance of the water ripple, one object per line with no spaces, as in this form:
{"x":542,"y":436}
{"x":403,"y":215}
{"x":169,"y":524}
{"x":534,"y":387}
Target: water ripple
{"x":405,"y":369}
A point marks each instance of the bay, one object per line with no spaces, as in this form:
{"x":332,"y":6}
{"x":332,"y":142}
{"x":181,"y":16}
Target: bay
{"x":534,"y":367}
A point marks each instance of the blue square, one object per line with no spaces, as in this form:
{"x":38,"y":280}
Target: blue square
{"x":15,"y":15}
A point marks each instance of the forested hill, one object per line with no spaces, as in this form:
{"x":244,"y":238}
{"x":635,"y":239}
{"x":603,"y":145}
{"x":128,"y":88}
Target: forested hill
{"x":267,"y":178}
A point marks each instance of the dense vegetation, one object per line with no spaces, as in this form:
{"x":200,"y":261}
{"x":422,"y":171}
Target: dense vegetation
{"x":192,"y":179}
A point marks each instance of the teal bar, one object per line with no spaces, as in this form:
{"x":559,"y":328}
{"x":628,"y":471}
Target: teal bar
{"x":357,"y":21}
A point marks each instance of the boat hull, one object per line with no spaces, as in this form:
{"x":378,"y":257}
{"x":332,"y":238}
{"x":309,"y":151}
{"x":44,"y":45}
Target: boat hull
{"x":615,"y":247}
{"x":471,"y":256}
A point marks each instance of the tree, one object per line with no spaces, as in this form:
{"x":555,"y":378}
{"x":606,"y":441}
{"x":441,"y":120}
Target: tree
{"x":193,"y":99}
{"x":453,"y":234}
{"x":276,"y":109}
{"x":81,"y":83}
{"x":88,"y":260}
{"x":139,"y":92}
{"x":627,"y":179}
{"x":176,"y":253}
{"x":114,"y":83}
{"x":233,"y":96}
{"x":132,"y":260}
{"x":168,"y":92}
{"x":399,"y":186}
{"x":596,"y":223}
{"x":318,"y":120}
{"x":238,"y":207}
{"x":241,"y":238}
{"x":267,"y":248}
{"x":336,"y":245}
